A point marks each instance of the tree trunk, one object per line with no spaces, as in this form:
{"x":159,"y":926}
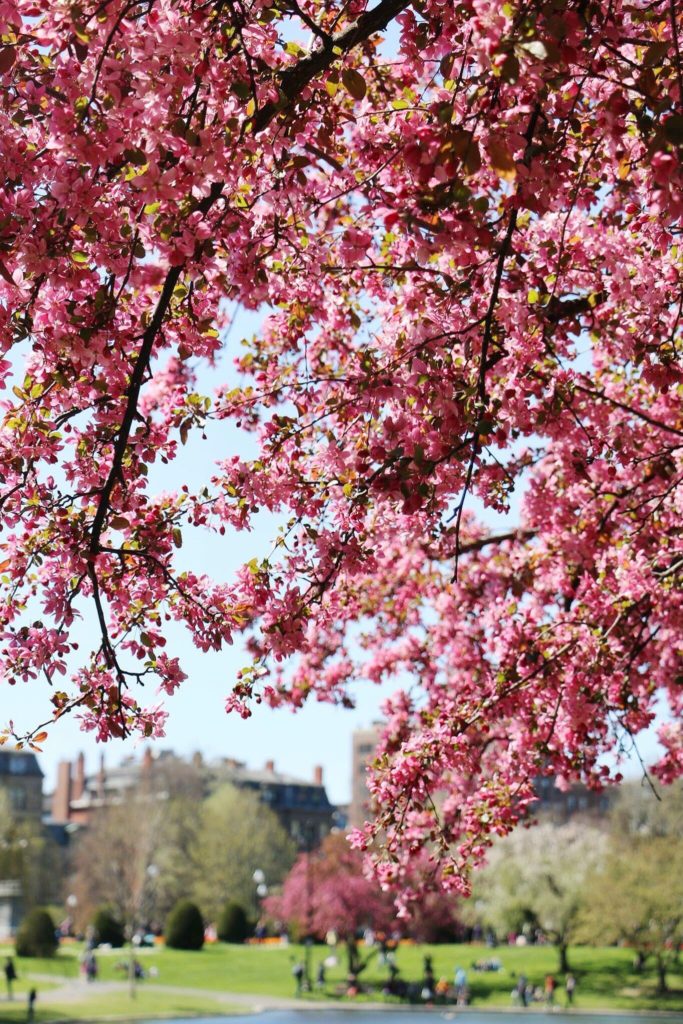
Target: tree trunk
{"x":564,"y":967}
{"x":356,"y":963}
{"x":352,"y":953}
{"x":662,"y":986}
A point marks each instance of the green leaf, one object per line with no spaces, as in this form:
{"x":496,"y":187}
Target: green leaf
{"x":136,"y":156}
{"x":673,"y":129}
{"x":510,"y":69}
{"x":79,"y":257}
{"x":501,"y":159}
{"x":241,"y":89}
{"x":354,"y":83}
{"x":535,"y":48}
{"x":655,"y":53}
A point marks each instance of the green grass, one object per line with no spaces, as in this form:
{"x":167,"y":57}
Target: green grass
{"x":146,"y":1005}
{"x":605,"y":978}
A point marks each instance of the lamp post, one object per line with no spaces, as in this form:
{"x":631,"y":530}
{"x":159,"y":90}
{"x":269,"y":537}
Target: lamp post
{"x":260,"y":892}
{"x":307,"y":844}
{"x":71,"y":904}
{"x":151,"y":872}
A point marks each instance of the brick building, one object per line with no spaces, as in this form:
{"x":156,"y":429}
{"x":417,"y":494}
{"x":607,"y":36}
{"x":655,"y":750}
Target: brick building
{"x":301,"y":805}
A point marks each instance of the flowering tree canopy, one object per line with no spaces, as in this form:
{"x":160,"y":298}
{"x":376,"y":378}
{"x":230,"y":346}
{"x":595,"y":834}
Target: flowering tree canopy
{"x":329,"y":890}
{"x":326,"y":891}
{"x":462,"y":219}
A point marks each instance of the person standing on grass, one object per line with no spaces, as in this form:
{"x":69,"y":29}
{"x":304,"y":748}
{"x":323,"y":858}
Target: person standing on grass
{"x":298,"y":973}
{"x":569,"y":987}
{"x":10,"y":975}
{"x":460,"y":983}
{"x":521,"y":990}
{"x":550,"y":986}
{"x":30,"y":1016}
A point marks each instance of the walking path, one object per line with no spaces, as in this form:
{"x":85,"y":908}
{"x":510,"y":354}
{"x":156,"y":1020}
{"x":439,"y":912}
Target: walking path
{"x":75,"y":990}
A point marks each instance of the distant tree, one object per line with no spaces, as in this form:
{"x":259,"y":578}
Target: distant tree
{"x":176,"y":870}
{"x":537,"y":875}
{"x":184,"y":926}
{"x":327,"y":890}
{"x":25,"y":855}
{"x":109,"y":929}
{"x":37,"y":936}
{"x":232,"y":925}
{"x":642,"y":810}
{"x":113,"y":858}
{"x":435,"y":917}
{"x":636,"y":897}
{"x":236,"y":834}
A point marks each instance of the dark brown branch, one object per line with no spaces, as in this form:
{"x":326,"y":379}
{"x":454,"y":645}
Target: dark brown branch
{"x":678,"y":63}
{"x":601,"y":396}
{"x":499,"y":538}
{"x":291,"y":84}
{"x":503,"y":254}
{"x":295,"y":79}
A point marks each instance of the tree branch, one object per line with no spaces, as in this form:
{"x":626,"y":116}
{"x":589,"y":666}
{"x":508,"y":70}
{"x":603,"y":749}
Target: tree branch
{"x":295,"y":79}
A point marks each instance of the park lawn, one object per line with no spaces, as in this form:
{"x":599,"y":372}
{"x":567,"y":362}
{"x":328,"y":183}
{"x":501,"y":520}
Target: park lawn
{"x":145,"y":1006}
{"x":605,"y":976}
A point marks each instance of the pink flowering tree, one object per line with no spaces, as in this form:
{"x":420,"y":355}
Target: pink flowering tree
{"x":461,"y":221}
{"x":327,"y":891}
{"x":330,"y":889}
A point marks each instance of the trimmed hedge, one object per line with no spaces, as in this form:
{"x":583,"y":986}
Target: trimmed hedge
{"x":233,"y":925}
{"x":108,"y":928}
{"x":37,"y":935}
{"x":184,"y":926}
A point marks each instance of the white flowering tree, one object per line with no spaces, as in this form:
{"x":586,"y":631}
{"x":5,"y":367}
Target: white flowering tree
{"x":539,"y":875}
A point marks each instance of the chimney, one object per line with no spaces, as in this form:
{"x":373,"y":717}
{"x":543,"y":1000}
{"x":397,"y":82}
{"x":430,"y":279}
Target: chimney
{"x":198,"y":760}
{"x":318,"y":775}
{"x":61,"y":798}
{"x":270,"y":767}
{"x":147,"y":759}
{"x":79,"y":778}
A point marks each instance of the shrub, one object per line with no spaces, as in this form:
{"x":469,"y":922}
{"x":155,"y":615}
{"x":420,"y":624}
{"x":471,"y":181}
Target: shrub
{"x":108,"y":928}
{"x":36,"y":935}
{"x":184,"y":927}
{"x":232,"y":923}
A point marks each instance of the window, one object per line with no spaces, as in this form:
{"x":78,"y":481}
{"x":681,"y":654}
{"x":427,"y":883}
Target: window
{"x":17,"y":797}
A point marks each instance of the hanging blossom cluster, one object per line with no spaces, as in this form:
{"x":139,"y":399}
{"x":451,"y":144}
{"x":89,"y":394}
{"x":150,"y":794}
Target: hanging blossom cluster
{"x":463,"y":220}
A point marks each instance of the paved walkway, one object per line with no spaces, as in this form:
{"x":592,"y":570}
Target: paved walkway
{"x":74,"y":990}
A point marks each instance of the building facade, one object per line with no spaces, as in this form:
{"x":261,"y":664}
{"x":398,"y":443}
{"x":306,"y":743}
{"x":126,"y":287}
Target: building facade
{"x":21,"y":778}
{"x":363,"y":745}
{"x":301,"y":805}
